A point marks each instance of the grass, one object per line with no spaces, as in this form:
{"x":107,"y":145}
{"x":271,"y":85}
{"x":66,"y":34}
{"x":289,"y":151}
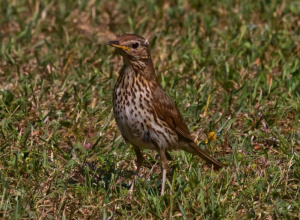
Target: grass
{"x":232,"y":67}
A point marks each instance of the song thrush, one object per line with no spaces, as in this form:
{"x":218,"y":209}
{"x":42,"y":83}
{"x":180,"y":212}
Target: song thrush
{"x":145,"y":115}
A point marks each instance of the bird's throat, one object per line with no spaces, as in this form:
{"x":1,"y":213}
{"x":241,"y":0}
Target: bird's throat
{"x":140,"y":67}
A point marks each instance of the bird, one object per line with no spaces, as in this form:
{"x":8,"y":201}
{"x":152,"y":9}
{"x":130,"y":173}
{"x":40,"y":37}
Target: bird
{"x":145,"y":115}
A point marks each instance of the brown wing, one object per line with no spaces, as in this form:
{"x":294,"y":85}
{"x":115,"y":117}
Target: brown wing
{"x":167,"y":111}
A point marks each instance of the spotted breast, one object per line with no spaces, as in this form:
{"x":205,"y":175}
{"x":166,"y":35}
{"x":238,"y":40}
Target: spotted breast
{"x":134,"y":113}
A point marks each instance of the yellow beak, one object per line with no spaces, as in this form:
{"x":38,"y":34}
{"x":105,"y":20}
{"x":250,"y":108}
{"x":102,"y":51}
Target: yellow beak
{"x":117,"y":45}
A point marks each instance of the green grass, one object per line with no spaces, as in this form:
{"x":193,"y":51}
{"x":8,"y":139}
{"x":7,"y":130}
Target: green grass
{"x":231,"y":67}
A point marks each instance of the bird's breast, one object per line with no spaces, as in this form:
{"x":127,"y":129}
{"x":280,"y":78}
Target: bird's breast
{"x":134,"y":113}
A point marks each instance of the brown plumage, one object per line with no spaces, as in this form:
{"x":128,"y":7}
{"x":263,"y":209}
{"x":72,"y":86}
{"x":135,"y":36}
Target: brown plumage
{"x":145,"y":115}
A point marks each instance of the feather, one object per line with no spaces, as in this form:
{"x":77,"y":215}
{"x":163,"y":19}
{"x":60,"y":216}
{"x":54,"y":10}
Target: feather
{"x":166,"y":111}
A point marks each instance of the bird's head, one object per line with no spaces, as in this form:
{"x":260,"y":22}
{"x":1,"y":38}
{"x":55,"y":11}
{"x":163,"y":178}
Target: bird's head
{"x":134,"y":49}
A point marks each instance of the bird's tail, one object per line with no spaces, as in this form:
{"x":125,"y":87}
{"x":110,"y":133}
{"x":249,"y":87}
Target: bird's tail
{"x":204,"y":155}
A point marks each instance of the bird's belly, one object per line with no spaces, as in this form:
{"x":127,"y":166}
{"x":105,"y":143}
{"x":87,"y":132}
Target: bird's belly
{"x":138,"y":125}
{"x":134,"y":129}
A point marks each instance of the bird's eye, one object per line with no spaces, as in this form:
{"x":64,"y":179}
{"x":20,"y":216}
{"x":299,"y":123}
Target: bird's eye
{"x":135,"y":45}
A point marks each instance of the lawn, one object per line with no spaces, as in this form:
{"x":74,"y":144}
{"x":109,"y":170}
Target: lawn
{"x":231,"y":67}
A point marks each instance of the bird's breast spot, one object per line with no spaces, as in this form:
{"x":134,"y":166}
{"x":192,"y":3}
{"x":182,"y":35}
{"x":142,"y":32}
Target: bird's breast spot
{"x":147,"y":137}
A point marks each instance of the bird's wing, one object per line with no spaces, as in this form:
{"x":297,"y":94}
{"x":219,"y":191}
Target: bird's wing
{"x":167,"y":112}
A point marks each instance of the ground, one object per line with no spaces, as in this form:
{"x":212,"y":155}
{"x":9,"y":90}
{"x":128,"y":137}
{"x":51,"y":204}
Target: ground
{"x":231,"y":67}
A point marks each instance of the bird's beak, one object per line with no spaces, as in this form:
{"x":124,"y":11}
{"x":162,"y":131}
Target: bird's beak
{"x":117,"y":45}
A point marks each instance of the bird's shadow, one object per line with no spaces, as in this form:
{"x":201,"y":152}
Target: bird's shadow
{"x":95,"y":175}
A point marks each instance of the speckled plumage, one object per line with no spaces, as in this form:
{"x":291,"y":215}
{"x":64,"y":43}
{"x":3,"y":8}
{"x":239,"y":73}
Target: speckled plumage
{"x":145,"y":115}
{"x":135,"y":116}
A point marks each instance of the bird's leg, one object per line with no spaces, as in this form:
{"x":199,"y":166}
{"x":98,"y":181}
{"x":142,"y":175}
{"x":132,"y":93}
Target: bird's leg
{"x":164,"y":161}
{"x":140,"y":159}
